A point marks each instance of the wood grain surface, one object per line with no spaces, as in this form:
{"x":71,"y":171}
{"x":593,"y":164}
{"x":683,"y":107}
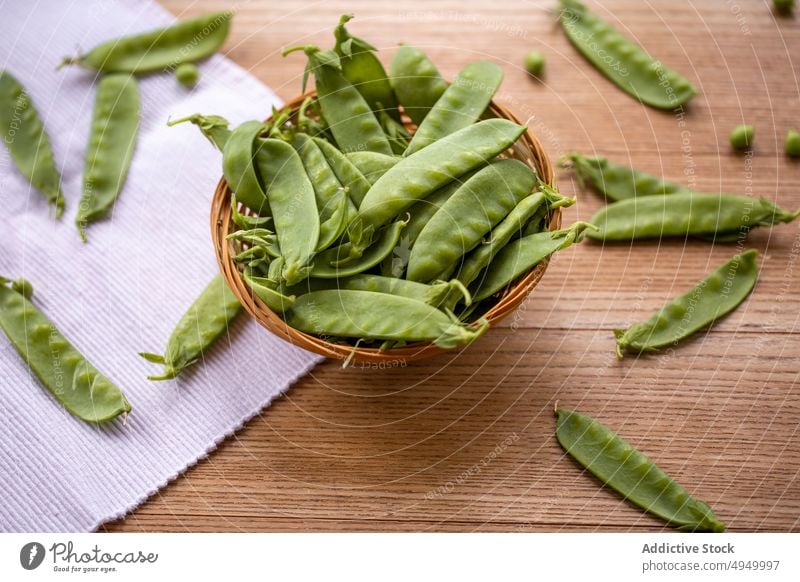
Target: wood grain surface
{"x":465,"y":442}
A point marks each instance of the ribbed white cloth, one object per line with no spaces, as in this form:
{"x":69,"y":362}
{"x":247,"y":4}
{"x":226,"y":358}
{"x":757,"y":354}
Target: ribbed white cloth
{"x":123,"y":292}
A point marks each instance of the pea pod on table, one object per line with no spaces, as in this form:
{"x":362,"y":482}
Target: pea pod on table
{"x":115,"y":126}
{"x":158,"y":50}
{"x":712,"y":298}
{"x":80,"y":388}
{"x":22,"y":132}
{"x":416,"y":82}
{"x":623,"y":62}
{"x":629,"y":472}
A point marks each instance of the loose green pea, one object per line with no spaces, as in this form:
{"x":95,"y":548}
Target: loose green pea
{"x":534,"y":63}
{"x":784,"y":6}
{"x":629,"y":472}
{"x":187,"y":74}
{"x":792,"y":145}
{"x":741,"y":137}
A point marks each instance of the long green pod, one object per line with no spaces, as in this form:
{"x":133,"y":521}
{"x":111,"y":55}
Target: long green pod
{"x":623,"y":62}
{"x":214,"y":127}
{"x":239,"y":167}
{"x":23,"y":134}
{"x":372,"y":165}
{"x":364,"y":70}
{"x":713,"y":297}
{"x":115,"y":126}
{"x":521,"y":255}
{"x":470,"y":213}
{"x":80,"y":388}
{"x":351,"y":120}
{"x":685,"y":214}
{"x":338,"y":262}
{"x":159,"y":50}
{"x":341,"y":313}
{"x":293,"y":205}
{"x":460,"y":106}
{"x":269,"y":292}
{"x":416,"y":82}
{"x":629,"y":472}
{"x":346,"y":172}
{"x":206,"y":320}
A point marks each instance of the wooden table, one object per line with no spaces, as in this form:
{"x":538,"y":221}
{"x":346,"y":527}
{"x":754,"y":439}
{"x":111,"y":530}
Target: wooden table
{"x":465,"y":442}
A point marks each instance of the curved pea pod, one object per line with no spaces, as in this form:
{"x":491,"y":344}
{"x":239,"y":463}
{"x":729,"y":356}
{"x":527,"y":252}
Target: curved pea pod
{"x":80,"y":388}
{"x":372,"y":165}
{"x":350,"y":118}
{"x":337,"y":262}
{"x":416,"y":82}
{"x":270,"y":293}
{"x":471,"y":212}
{"x":629,"y":472}
{"x":239,"y":168}
{"x":364,"y":70}
{"x":214,"y":127}
{"x":207,"y":319}
{"x":460,"y":106}
{"x":623,"y":62}
{"x":618,"y":182}
{"x":520,"y":256}
{"x":684,"y":214}
{"x":24,"y":135}
{"x":342,"y":313}
{"x":159,"y":50}
{"x":422,"y":173}
{"x":348,"y":175}
{"x":115,"y":125}
{"x":293,"y":206}
{"x":712,"y":298}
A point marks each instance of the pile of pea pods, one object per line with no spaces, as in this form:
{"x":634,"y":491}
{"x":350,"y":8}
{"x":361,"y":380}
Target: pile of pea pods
{"x":365,"y":233}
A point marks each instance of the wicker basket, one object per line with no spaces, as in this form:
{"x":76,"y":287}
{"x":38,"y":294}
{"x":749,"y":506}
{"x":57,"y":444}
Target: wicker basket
{"x":527,"y":149}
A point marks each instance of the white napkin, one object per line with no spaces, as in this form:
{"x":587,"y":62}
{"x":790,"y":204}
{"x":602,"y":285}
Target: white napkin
{"x":123,"y":292}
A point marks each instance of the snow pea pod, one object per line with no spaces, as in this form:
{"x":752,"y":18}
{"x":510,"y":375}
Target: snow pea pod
{"x":372,"y":165}
{"x":716,"y":295}
{"x":520,"y":256}
{"x":23,"y":134}
{"x":629,"y":472}
{"x":115,"y":125}
{"x":214,"y":127}
{"x":538,"y":221}
{"x":269,"y":292}
{"x":158,"y":50}
{"x":623,"y":62}
{"x":352,"y":122}
{"x":80,"y":388}
{"x":210,"y":316}
{"x":348,"y":175}
{"x":416,"y":82}
{"x":338,"y":262}
{"x":239,"y":168}
{"x":342,"y":313}
{"x":364,"y":70}
{"x":471,"y":212}
{"x":684,"y":214}
{"x":460,"y":106}
{"x":293,"y":205}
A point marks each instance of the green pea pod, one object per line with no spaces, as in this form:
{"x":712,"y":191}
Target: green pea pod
{"x":268,"y":292}
{"x":207,"y":319}
{"x":293,"y":205}
{"x":371,"y":164}
{"x":23,"y":134}
{"x":537,"y":222}
{"x":397,"y":134}
{"x":623,"y":62}
{"x":460,"y":106}
{"x":520,"y":256}
{"x":715,"y":296}
{"x":341,"y":313}
{"x":239,"y":168}
{"x":246,"y":221}
{"x":685,"y":214}
{"x":348,"y":175}
{"x":214,"y":127}
{"x":629,"y":472}
{"x":470,"y":213}
{"x":115,"y":126}
{"x":420,"y":174}
{"x":159,"y":50}
{"x":351,"y":120}
{"x":364,"y":70}
{"x":80,"y":388}
{"x":338,"y":262}
{"x":416,"y":82}
{"x":334,"y":226}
